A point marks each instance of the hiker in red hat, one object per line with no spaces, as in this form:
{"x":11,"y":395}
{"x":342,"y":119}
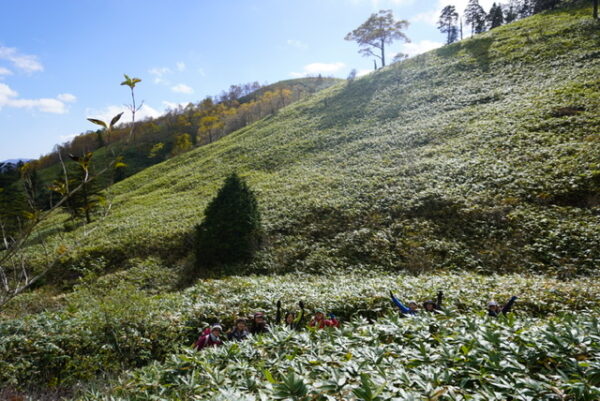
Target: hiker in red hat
{"x":211,"y":337}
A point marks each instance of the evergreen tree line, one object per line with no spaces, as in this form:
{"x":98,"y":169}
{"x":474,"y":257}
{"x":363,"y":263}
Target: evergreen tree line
{"x":477,"y":20}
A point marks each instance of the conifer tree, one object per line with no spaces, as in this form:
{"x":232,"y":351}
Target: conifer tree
{"x":495,"y":16}
{"x":447,"y":24}
{"x":13,"y":203}
{"x":511,"y":11}
{"x":475,"y":16}
{"x":375,"y":33}
{"x":525,"y":8}
{"x":543,"y":5}
{"x":231,"y":230}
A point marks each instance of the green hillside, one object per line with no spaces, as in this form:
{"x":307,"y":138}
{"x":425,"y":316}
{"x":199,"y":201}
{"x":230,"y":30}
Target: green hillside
{"x":480,"y":155}
{"x":477,"y":165}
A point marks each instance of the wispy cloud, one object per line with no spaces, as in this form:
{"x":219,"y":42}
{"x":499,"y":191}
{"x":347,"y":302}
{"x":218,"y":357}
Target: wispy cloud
{"x":67,"y":97}
{"x":297,"y":44}
{"x":319,"y":68}
{"x":5,"y":71}
{"x":158,"y":73}
{"x":23,"y":62}
{"x":10,"y":98}
{"x":182,"y":88}
{"x":180,"y":66}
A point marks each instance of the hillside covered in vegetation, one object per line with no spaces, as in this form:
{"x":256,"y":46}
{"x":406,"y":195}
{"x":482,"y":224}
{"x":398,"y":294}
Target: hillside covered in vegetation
{"x":475,"y":165}
{"x":481,"y":155}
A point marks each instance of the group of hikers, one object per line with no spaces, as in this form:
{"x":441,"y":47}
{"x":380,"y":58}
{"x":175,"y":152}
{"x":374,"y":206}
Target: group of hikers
{"x":213,"y":335}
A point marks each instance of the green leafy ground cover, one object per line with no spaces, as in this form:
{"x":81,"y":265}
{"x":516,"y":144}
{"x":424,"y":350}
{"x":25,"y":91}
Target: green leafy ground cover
{"x":440,"y":358}
{"x":119,"y":322}
{"x":481,"y":155}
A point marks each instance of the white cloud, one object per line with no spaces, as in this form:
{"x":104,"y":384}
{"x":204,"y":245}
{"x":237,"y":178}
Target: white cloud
{"x":180,"y":66}
{"x":319,"y":68}
{"x":158,"y":73}
{"x":297,"y":44}
{"x":67,"y":97}
{"x":182,"y":88}
{"x":5,"y":71}
{"x":6,"y":92}
{"x":201,"y":72}
{"x":10,"y":98}
{"x":24,"y":62}
{"x":109,"y":112}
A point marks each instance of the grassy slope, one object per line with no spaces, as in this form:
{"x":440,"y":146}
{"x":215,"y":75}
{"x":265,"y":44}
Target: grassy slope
{"x":456,"y":158}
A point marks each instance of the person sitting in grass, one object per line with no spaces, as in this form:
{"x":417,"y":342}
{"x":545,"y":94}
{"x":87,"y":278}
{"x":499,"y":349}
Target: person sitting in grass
{"x":411,"y":309}
{"x":320,"y":322}
{"x":211,"y":337}
{"x":240,"y":331}
{"x":495,"y":310}
{"x":431,"y":306}
{"x":259,"y":324}
{"x":292,"y":320}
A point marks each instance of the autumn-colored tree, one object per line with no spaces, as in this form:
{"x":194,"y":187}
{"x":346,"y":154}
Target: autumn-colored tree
{"x":156,"y":150}
{"x":376,"y":32}
{"x":209,"y":126}
{"x":183,"y":143}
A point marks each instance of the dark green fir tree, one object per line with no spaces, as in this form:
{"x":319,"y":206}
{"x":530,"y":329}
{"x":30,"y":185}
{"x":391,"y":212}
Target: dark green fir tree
{"x":496,"y":16}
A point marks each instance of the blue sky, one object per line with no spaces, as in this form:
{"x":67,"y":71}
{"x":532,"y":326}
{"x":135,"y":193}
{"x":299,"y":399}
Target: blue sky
{"x":62,"y":61}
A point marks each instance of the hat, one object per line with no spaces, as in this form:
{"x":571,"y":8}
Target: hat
{"x":216,"y":326}
{"x":429,"y":302}
{"x":259,"y":314}
{"x":319,"y":310}
{"x":492,"y":303}
{"x":412,"y":302}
